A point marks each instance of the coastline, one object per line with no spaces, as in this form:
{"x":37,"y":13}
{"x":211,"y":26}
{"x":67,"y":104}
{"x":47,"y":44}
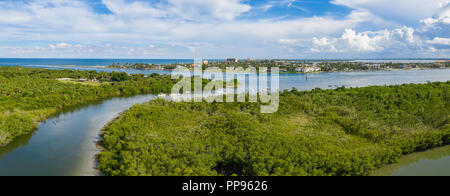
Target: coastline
{"x":124,"y":69}
{"x":411,"y":159}
{"x":99,"y":144}
{"x":54,"y":112}
{"x":111,"y":121}
{"x":443,"y":142}
{"x":286,"y":72}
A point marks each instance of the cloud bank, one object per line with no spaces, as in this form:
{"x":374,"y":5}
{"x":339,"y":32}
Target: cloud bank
{"x":222,"y":28}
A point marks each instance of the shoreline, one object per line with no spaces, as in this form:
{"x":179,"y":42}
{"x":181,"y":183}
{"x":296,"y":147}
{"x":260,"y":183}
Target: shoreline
{"x":288,"y":72}
{"x":101,"y":132}
{"x":442,"y":143}
{"x":55,"y":112}
{"x":99,"y":143}
{"x":407,"y":160}
{"x":223,"y":71}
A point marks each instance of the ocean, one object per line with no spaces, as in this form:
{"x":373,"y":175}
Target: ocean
{"x":107,"y":62}
{"x":87,"y":62}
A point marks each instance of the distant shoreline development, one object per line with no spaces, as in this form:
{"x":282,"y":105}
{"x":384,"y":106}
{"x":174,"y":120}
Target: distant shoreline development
{"x":296,"y":66}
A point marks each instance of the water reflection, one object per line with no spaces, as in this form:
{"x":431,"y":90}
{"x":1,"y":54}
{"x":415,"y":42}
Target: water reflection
{"x":329,"y":80}
{"x":18,"y":142}
{"x":435,"y":162}
{"x":64,"y":144}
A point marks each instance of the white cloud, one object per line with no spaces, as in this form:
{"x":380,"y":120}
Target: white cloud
{"x":289,"y":41}
{"x":184,"y":9}
{"x":432,"y":49}
{"x":57,"y":50}
{"x":211,"y":28}
{"x":142,"y":23}
{"x":409,"y":11}
{"x":436,"y":28}
{"x":372,"y":41}
{"x":137,"y":9}
{"x":441,"y":17}
{"x":439,"y":41}
{"x":218,"y":9}
{"x":324,"y":45}
{"x":64,"y":45}
{"x":362,"y":42}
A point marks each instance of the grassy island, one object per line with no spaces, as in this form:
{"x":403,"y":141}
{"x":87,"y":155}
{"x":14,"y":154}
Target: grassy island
{"x":29,"y":96}
{"x":321,"y":132}
{"x":290,"y":66}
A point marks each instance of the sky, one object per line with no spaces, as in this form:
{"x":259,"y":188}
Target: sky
{"x":216,"y":29}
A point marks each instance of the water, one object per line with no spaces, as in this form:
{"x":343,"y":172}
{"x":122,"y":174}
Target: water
{"x":88,"y":62}
{"x":435,"y":162}
{"x":107,"y":62}
{"x":399,"y":61}
{"x":64,"y":145}
{"x":361,"y":79}
{"x":288,"y":81}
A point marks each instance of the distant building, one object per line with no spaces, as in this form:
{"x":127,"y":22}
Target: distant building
{"x":205,"y":62}
{"x":282,"y":63}
{"x":407,"y":66}
{"x":307,"y":69}
{"x":372,"y":66}
{"x":157,"y":67}
{"x":443,"y":63}
{"x":283,"y":69}
{"x":311,"y":69}
{"x":232,"y":60}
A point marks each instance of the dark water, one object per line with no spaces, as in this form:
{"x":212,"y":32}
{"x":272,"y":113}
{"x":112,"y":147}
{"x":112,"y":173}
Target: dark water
{"x":64,"y":144}
{"x":435,"y":162}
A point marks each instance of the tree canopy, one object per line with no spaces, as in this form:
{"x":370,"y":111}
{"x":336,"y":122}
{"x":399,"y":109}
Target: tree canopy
{"x":28,"y":96}
{"x":346,"y":131}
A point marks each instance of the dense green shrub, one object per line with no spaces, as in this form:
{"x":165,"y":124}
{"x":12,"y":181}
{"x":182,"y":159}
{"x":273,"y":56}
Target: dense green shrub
{"x":28,"y":96}
{"x":320,"y":132}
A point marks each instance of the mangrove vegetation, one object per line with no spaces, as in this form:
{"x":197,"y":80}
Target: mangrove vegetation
{"x":29,"y":96}
{"x":341,"y":132}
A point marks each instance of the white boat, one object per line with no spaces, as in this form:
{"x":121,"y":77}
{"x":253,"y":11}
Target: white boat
{"x":162,"y":96}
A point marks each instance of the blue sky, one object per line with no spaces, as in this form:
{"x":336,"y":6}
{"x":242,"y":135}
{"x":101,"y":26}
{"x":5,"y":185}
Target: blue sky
{"x":293,"y":9}
{"x":225,"y":28}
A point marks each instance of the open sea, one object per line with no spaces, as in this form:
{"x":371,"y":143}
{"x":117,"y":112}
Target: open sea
{"x":87,"y":62}
{"x":107,"y":62}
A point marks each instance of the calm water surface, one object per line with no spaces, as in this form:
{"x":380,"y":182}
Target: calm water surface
{"x":435,"y":162}
{"x":329,"y":80}
{"x":86,"y":62}
{"x":107,"y":62}
{"x":64,"y":144}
